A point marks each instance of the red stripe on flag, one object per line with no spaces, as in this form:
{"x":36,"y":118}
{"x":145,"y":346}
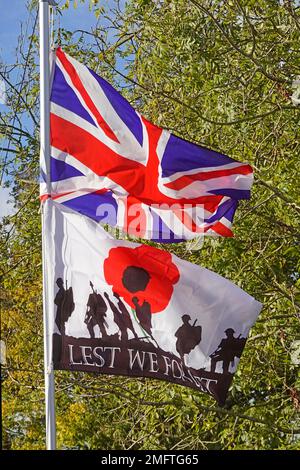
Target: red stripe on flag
{"x":188,"y":222}
{"x":137,"y":180}
{"x":221,"y":229}
{"x":56,"y":196}
{"x":80,"y":88}
{"x":44,"y":197}
{"x":135,"y":220}
{"x":184,"y":181}
{"x":90,"y":151}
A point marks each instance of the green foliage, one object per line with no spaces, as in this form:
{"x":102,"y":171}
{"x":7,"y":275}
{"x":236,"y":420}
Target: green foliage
{"x":219,"y":74}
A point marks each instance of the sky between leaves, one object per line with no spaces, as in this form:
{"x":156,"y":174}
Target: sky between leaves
{"x":14,"y":14}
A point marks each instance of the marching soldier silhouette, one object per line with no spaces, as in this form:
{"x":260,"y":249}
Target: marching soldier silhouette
{"x":118,"y":318}
{"x":229,"y":348}
{"x":96,"y":313}
{"x":127,"y":322}
{"x":143,"y":313}
{"x":188,"y":336}
{"x":65,"y":305}
{"x":136,"y":279}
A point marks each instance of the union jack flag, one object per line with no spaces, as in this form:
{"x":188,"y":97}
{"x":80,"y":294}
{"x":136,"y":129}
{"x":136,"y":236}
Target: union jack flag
{"x":111,"y":164}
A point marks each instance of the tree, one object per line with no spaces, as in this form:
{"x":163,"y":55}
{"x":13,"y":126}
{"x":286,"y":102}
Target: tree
{"x":219,"y":74}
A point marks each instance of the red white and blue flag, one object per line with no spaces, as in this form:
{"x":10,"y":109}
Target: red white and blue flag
{"x":111,"y":164}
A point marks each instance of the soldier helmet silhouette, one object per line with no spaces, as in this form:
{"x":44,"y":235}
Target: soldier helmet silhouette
{"x":185,"y":318}
{"x":229,"y":331}
{"x":188,"y":336}
{"x":135,"y":278}
{"x":59,"y":282}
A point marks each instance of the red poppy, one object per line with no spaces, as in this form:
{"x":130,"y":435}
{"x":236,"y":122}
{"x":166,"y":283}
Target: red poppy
{"x":146,"y":268}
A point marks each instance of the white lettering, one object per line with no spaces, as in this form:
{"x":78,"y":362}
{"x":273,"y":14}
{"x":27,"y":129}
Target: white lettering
{"x":209,"y":381}
{"x":86,"y":356}
{"x":167,"y":364}
{"x":153,"y":362}
{"x":136,"y":358}
{"x":113,"y":354}
{"x":102,"y":362}
{"x":113,"y":460}
{"x":173,"y":370}
{"x":71,"y":356}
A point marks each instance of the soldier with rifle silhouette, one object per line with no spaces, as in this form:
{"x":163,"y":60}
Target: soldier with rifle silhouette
{"x":136,"y":279}
{"x":119,"y":318}
{"x":126,"y":319}
{"x":229,"y":348}
{"x":188,"y":336}
{"x":96,"y":313}
{"x":65,"y":305}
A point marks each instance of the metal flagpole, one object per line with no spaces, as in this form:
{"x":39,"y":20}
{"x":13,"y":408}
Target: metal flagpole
{"x":45,"y":164}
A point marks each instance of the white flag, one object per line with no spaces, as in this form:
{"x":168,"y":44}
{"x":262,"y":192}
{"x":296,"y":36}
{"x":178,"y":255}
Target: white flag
{"x":130,"y":309}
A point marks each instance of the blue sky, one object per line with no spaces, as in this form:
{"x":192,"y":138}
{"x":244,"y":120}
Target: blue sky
{"x":13,"y":13}
{"x":17,"y":14}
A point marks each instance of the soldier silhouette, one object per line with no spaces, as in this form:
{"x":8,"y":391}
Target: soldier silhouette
{"x":65,"y":305}
{"x":229,"y":348}
{"x":119,"y":319}
{"x":59,"y":298}
{"x":127,"y":322}
{"x":136,"y":279}
{"x":96,"y":313}
{"x":188,"y":336}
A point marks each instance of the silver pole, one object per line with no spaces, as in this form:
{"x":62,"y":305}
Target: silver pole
{"x":45,"y":164}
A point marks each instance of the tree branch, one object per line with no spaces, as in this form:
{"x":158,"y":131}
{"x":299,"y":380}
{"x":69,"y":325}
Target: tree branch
{"x":279,"y":194}
{"x":19,"y":94}
{"x":248,"y":56}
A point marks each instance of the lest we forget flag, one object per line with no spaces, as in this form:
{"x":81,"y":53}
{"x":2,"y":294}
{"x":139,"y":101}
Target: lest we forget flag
{"x":129,"y":309}
{"x":111,"y":164}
